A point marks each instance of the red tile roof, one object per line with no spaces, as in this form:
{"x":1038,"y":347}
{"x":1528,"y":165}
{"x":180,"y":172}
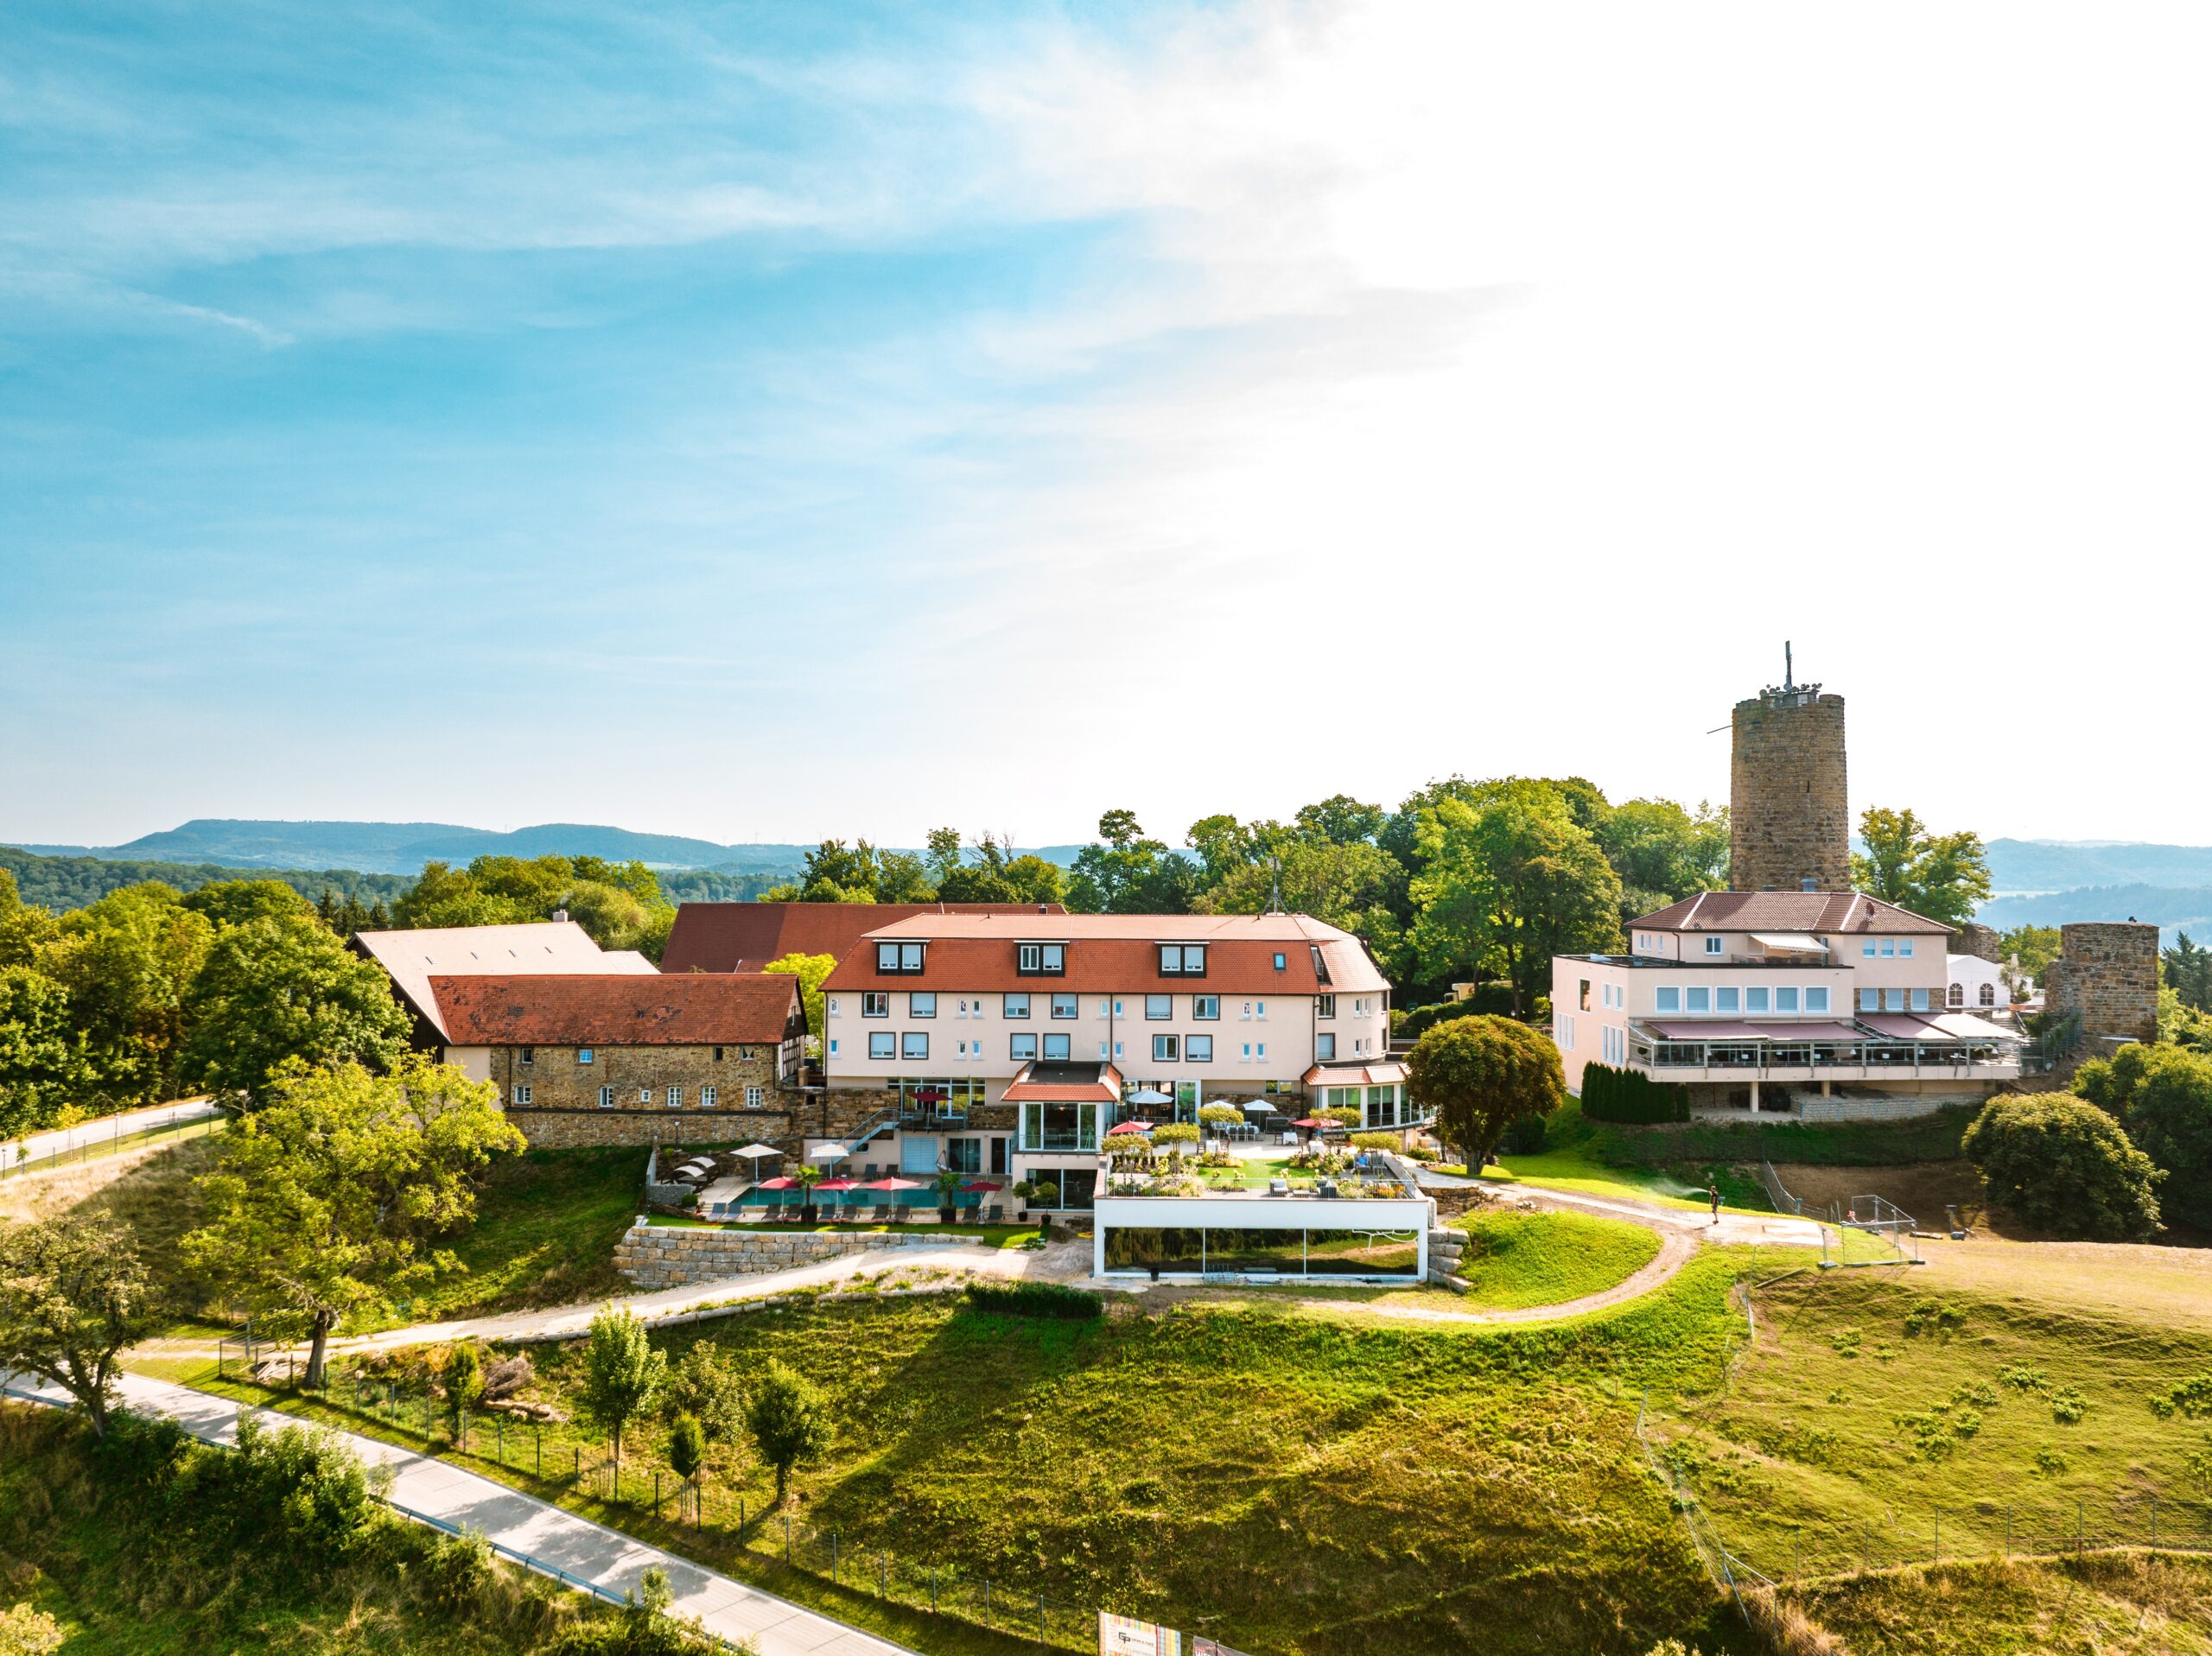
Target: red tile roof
{"x":1813,"y":911}
{"x":1057,"y":1082}
{"x":703,"y":1009}
{"x":1119,"y":954}
{"x":746,"y":937}
{"x":1352,"y":1074}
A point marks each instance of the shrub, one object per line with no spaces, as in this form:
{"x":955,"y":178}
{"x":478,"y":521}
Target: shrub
{"x":464,"y":1376}
{"x":1374,"y":1141}
{"x":1489,"y":1001}
{"x":704,"y":1385}
{"x":2162,"y":1096}
{"x":1524,"y":1136}
{"x":687,"y":1448}
{"x":1479,"y":1074}
{"x":2065,"y":1166}
{"x":1052,"y":1300}
{"x":1630,"y":1098}
{"x":1175,"y":1133}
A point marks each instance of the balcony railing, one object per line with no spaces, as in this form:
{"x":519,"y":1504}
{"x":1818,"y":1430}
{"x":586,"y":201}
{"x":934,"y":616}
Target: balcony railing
{"x":1876,"y":1057}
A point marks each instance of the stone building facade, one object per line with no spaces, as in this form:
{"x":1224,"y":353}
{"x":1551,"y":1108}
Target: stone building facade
{"x":689,"y":1095}
{"x":1979,"y":940}
{"x":2109,"y":972}
{"x":1790,"y":817}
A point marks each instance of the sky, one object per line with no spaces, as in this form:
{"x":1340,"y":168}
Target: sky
{"x":769,"y":422}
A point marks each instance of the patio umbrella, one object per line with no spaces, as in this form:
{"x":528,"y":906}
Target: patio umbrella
{"x":832,"y":1152}
{"x":837,"y":1187}
{"x":782,"y":1182}
{"x":1258,"y":1107}
{"x":1312,"y":1126}
{"x":755,"y":1153}
{"x":1129,"y":1126}
{"x":980,"y":1187}
{"x":1150,"y":1095}
{"x":894,"y":1183}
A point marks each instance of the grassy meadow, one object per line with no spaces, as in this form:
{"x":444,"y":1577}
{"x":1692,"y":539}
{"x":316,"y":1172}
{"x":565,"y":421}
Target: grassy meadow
{"x":1518,"y":1259}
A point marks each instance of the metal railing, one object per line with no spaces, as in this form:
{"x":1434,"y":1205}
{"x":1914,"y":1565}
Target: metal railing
{"x":120,"y":1139}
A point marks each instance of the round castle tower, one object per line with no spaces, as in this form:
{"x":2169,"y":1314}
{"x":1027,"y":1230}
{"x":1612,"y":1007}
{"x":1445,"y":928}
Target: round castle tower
{"x":1789,"y":818}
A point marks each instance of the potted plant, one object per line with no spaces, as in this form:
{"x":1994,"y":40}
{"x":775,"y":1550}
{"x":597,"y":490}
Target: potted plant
{"x":947,"y":1184}
{"x":808,"y":1177}
{"x":1044,"y":1194}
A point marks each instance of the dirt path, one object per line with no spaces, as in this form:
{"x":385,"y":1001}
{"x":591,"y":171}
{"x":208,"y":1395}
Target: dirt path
{"x":1676,"y":1250}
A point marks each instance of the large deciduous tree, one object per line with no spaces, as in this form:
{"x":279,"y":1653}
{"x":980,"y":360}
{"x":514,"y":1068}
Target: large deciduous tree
{"x":2162,"y":1096}
{"x":2064,"y":1165}
{"x":128,"y":961}
{"x":811,"y":971}
{"x":1663,"y":853}
{"x":1124,"y":873}
{"x":1509,"y":882}
{"x":1479,"y":1075}
{"x":277,"y":996}
{"x":334,"y":1195}
{"x":234,"y":902}
{"x":73,"y":1295}
{"x":789,"y":1422}
{"x":1943,"y":876}
{"x":42,"y":1059}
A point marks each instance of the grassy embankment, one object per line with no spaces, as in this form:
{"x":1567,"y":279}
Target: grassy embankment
{"x":1300,"y":1483}
{"x":1519,"y":1259}
{"x":1012,"y":1236}
{"x":82,"y":1540}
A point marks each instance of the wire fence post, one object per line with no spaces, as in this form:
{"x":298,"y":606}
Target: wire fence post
{"x":1040,"y":1618}
{"x":833,"y":1554}
{"x":657,"y":1492}
{"x":787,"y":1538}
{"x":1939,"y":1535}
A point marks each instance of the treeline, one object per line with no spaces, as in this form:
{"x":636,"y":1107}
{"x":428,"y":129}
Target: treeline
{"x":620,"y":904}
{"x":151,"y":991}
{"x":61,"y":883}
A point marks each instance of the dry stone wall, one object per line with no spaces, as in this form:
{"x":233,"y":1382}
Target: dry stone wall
{"x":2109,"y":972}
{"x":676,"y":1256}
{"x":1789,"y":814}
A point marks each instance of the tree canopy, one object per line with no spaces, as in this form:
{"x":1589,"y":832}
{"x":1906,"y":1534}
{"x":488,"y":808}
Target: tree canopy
{"x":333,"y":1195}
{"x":789,"y":1421}
{"x":73,"y":1295}
{"x":1944,"y":876}
{"x":624,"y":1372}
{"x":811,"y":971}
{"x":1478,"y":1075}
{"x":2188,"y":970}
{"x":620,"y":905}
{"x":279,"y":995}
{"x":2162,"y":1096}
{"x":2064,"y":1165}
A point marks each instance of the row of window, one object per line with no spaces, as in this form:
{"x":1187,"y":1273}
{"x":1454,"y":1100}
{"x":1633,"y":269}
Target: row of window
{"x":1892,"y":999}
{"x":1050,"y":959}
{"x":922,"y":1003}
{"x":883,"y":1045}
{"x":1760,"y":999}
{"x":585,"y":1054}
{"x":1872,"y":948}
{"x":1615,"y":995}
{"x":710,"y":1096}
{"x":1986,"y":993}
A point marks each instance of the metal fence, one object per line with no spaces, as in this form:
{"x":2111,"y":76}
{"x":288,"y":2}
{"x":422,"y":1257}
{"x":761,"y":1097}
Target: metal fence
{"x":1870,"y":1229}
{"x":119,"y":1138}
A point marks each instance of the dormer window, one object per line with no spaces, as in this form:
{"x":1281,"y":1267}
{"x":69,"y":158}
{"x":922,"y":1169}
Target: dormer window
{"x":1183,"y":960}
{"x":1715,"y":945}
{"x":899,"y":960}
{"x":1041,"y":960}
{"x":1320,"y":965}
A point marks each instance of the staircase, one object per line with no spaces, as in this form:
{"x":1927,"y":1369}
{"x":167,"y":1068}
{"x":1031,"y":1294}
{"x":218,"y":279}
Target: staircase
{"x":1445,"y":1248}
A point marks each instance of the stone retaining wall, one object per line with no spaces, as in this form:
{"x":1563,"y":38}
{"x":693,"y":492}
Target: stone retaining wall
{"x":1899,"y":1106}
{"x":675,"y":1256}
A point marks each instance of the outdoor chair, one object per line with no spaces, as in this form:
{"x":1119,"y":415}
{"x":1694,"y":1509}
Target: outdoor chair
{"x":994,"y":1213}
{"x":882,"y":1210}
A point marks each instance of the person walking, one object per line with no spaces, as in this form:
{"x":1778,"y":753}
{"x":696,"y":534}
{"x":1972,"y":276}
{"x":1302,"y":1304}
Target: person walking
{"x":1712,"y":1195}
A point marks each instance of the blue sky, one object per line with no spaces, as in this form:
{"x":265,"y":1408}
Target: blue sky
{"x":767,"y":421}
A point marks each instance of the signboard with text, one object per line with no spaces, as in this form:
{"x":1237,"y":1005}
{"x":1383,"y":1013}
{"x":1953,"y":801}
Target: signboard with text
{"x":1124,"y":1635}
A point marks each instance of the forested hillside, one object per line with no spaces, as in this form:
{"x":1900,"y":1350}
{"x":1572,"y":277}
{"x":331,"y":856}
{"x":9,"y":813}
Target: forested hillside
{"x":64,"y":883}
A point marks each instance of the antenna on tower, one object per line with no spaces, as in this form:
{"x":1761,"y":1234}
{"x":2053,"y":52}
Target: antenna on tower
{"x":1275,"y":885}
{"x":1787,"y":670}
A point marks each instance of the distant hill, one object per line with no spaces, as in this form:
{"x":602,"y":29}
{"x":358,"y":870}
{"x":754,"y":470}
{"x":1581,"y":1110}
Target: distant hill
{"x":2056,"y":866}
{"x":64,"y":883}
{"x":2171,"y":909}
{"x":403,"y":848}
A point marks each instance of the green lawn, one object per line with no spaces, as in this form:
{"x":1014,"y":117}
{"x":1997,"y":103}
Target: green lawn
{"x":1517,"y":1259}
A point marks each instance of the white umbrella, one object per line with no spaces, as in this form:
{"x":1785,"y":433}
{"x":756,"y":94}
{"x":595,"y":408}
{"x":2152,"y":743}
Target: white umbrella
{"x":1255,"y":1107}
{"x":1149,"y":1096}
{"x":831,"y":1152}
{"x":753,"y":1152}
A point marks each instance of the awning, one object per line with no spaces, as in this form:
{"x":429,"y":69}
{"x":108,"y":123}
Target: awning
{"x":1060,"y":1082}
{"x":1792,"y":1033}
{"x":1354,"y":1075}
{"x":1964,"y":1026}
{"x":1795,"y":940}
{"x":1900,"y":1026}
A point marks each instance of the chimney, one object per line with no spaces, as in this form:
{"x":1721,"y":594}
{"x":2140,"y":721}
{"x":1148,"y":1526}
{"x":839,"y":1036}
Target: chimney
{"x":1044,"y":908}
{"x":560,"y":914}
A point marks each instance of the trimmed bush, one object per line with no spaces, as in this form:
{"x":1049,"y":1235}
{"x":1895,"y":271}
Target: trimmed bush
{"x":1630,"y":1098}
{"x":1054,"y":1301}
{"x":1489,"y":1000}
{"x":2065,"y":1166}
{"x":1524,"y":1136}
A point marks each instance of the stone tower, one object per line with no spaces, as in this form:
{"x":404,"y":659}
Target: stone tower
{"x":1788,"y":820}
{"x":2109,"y":972}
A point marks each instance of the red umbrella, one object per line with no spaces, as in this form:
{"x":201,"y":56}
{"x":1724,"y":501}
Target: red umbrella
{"x":781,"y":1181}
{"x":839,"y":1183}
{"x":1311,"y":1125}
{"x":1129,"y":1126}
{"x":978,"y":1187}
{"x":890,"y":1185}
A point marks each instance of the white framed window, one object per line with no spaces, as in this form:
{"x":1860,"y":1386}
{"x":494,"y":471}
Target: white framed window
{"x":833,"y":1046}
{"x":1866,"y":949}
{"x":644,"y":1095}
{"x":1988,"y":994}
{"x":1245,"y":1056}
{"x":1041,"y":960}
{"x":1259,"y":1052}
{"x":1700,"y":1001}
{"x":1957,"y":996}
{"x":1816,"y":999}
{"x":1205,"y":1008}
{"x":1259,"y":1009}
{"x":1325,"y":1005}
{"x":1889,"y":946}
{"x":1159,"y":1008}
{"x":1064,"y":1006}
{"x":1870,"y":1001}
{"x":914,"y":1043}
{"x":529,"y":1054}
{"x":583,"y":1055}
{"x":676,"y":1098}
{"x":1566,"y":1035}
{"x":1325,"y":1047}
{"x":1920,"y":1000}
{"x":1057,"y":1049}
{"x":606,"y":1098}
{"x":1198,"y":1048}
{"x":876,"y":1003}
{"x":1166,"y":1048}
{"x":1015,"y":1006}
{"x":1892,"y":1001}
{"x":1183,"y":960}
{"x":1904,"y":948}
{"x":1724,"y":1000}
{"x":899,"y":960}
{"x":882,"y":1043}
{"x":707,"y":1095}
{"x":1785,"y":1001}
{"x":756,"y":1097}
{"x":1667,"y":1000}
{"x":830,"y":1005}
{"x":1021,"y":1047}
{"x":1715,"y":945}
{"x":921,"y":1004}
{"x":1754,"y":1000}
{"x":522,"y":1095}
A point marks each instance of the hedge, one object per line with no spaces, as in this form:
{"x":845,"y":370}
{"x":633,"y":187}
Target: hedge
{"x":1630,"y":1098}
{"x":1046,"y":1299}
{"x":1492,"y":999}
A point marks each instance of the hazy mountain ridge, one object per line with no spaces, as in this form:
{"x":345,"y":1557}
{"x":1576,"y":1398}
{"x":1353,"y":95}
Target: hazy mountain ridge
{"x":2049,"y":866}
{"x":403,"y":848}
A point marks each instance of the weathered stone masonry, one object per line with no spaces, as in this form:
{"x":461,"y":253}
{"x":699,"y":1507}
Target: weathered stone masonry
{"x":1790,"y":817}
{"x":2108,"y":972}
{"x":673,"y":1256}
{"x":564,"y":1111}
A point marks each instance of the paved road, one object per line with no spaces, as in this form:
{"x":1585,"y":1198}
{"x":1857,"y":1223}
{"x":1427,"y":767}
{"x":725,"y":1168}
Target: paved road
{"x":579,"y":1548}
{"x":106,"y":1128}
